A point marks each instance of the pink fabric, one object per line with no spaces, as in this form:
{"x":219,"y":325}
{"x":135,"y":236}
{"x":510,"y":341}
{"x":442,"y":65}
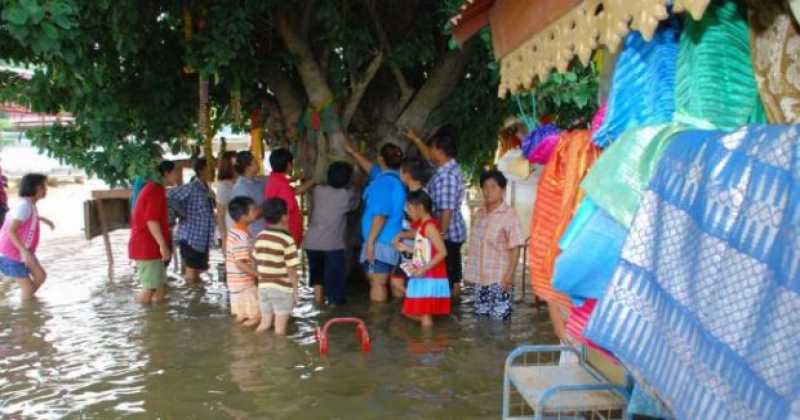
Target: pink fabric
{"x":28,"y":233}
{"x":541,"y":153}
{"x":599,"y":117}
{"x":576,"y":324}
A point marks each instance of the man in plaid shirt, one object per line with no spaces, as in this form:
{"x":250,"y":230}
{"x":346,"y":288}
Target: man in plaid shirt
{"x":193,"y":204}
{"x":446,"y":188}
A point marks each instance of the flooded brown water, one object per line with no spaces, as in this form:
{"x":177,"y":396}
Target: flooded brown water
{"x":84,"y":349}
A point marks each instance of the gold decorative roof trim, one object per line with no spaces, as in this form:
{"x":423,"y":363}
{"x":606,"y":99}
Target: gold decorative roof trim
{"x":590,"y":25}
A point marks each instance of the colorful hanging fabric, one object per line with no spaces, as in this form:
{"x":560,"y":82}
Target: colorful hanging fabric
{"x":716,"y":87}
{"x":590,"y":251}
{"x":599,"y":117}
{"x":323,"y":119}
{"x":557,"y":197}
{"x":619,"y":176}
{"x":705,"y":302}
{"x":643,"y":84}
{"x":775,"y":44}
{"x":535,"y":138}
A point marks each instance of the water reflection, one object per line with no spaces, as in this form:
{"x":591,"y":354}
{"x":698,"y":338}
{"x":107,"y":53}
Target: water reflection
{"x":85,"y":349}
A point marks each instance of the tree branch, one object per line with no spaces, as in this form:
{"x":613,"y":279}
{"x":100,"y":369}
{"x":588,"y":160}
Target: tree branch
{"x":406,"y":92}
{"x":307,"y":15}
{"x":291,"y":105}
{"x":442,"y":80}
{"x":314,"y":81}
{"x":359,"y":87}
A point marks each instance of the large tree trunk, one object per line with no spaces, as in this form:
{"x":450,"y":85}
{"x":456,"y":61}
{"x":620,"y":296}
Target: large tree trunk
{"x":440,"y":84}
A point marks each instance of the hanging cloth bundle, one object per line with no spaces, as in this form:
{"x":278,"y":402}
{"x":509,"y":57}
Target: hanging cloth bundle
{"x":643,"y":84}
{"x":716,"y":87}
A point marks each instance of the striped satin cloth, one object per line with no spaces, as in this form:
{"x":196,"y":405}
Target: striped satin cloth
{"x":704,"y":304}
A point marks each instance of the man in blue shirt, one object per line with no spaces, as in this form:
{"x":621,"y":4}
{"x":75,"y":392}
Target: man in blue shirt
{"x":385,"y":198}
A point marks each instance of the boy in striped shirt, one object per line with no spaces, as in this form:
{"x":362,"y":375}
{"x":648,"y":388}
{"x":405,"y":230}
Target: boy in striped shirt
{"x":276,"y":259}
{"x":240,"y":269}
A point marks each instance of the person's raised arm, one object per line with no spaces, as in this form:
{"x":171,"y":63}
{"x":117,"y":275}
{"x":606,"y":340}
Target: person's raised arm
{"x":424,"y":149}
{"x":362,"y":161}
{"x":305,"y":186}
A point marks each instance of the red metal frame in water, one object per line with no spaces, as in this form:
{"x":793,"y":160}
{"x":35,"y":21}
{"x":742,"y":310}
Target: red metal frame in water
{"x":361,"y":333}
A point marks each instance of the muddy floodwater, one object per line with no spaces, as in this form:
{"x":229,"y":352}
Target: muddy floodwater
{"x":85,"y":350}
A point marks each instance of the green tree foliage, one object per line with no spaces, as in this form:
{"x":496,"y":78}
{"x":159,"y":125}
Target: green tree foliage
{"x":128,"y":71}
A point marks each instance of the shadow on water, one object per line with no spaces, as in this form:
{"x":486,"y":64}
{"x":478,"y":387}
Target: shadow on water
{"x":84,"y":349}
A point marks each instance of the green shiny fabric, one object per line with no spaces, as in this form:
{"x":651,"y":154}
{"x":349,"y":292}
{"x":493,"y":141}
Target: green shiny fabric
{"x":617,"y":179}
{"x":716,"y":86}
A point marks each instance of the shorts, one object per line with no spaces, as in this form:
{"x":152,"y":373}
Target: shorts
{"x":244,"y":302}
{"x":13,"y":268}
{"x":453,"y":262}
{"x":192,"y":258}
{"x":275,"y":301}
{"x":316,"y":267}
{"x":152,"y":273}
{"x":377,"y":267}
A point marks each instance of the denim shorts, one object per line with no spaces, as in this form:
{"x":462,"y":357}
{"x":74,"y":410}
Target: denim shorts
{"x":377,"y":267}
{"x":12,"y":268}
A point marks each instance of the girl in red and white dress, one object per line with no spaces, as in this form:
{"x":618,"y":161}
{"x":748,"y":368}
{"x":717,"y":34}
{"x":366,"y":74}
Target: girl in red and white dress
{"x":428,"y":291}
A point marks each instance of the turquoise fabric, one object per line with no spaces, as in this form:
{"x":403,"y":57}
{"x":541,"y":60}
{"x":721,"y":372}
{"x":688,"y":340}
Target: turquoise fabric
{"x":643,"y":84}
{"x":716,"y":86}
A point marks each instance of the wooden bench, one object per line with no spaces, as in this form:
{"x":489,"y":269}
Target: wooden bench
{"x":550,"y":390}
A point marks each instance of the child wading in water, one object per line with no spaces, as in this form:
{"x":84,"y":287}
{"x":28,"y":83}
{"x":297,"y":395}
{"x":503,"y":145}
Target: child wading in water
{"x":415,"y":174}
{"x":428,"y":291}
{"x":276,"y":264}
{"x":19,"y":237}
{"x":241,"y":272}
{"x":151,"y":243}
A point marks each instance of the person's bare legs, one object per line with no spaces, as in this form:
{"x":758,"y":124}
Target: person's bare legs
{"x":378,"y":288}
{"x":281,"y":323}
{"x":251,"y":322}
{"x":426,"y":321}
{"x":318,"y":294}
{"x":398,"y":286}
{"x":37,"y":276}
{"x":456,"y":290}
{"x":146,"y":296}
{"x":192,"y":276}
{"x":266,"y":322}
{"x":160,"y":294}
{"x":27,"y":287}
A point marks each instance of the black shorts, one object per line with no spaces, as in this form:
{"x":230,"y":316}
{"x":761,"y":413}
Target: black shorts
{"x":453,"y":262}
{"x":192,"y":258}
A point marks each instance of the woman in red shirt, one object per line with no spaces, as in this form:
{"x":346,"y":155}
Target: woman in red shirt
{"x":150,"y":243}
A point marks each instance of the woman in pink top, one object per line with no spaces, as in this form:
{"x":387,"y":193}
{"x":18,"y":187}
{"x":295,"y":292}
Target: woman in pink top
{"x":19,"y":237}
{"x":494,"y":247}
